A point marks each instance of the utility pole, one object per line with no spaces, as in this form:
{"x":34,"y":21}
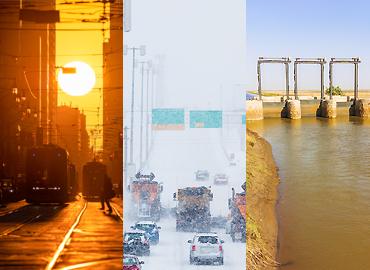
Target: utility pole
{"x":153,"y":104}
{"x":142,"y":53}
{"x":147,"y":112}
{"x":142,"y":113}
{"x":125,"y":138}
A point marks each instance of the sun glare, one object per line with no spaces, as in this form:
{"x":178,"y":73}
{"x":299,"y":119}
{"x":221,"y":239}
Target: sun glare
{"x":76,"y":78}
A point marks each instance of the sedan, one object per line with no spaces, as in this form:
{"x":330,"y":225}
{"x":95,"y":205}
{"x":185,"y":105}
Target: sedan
{"x":131,"y":262}
{"x":150,"y":228}
{"x":206,"y":247}
{"x":201,"y":175}
{"x":136,"y":243}
{"x":220,"y":179}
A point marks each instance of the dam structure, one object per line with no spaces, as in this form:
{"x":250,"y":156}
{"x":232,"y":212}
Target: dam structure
{"x":295,"y":106}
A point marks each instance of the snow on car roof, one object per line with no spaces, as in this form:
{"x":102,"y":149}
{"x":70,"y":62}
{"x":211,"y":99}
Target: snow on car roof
{"x":146,"y":222}
{"x":129,"y":256}
{"x":206,"y":234}
{"x":135,"y":231}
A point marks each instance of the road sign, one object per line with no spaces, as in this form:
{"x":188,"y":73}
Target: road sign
{"x":168,"y":119}
{"x":205,"y":119}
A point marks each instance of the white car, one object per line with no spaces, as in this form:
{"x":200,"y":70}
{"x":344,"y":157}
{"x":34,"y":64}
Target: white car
{"x":220,"y":179}
{"x":206,"y":247}
{"x":201,"y":175}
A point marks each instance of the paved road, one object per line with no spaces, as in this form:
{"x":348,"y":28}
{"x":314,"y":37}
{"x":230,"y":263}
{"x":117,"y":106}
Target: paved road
{"x":31,"y":234}
{"x":11,"y":207}
{"x":96,"y":243}
{"x":174,"y":159}
{"x":172,"y":252}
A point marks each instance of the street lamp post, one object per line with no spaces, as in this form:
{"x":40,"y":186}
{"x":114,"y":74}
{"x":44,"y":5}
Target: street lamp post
{"x":125,"y":138}
{"x":142,"y":113}
{"x":148,"y":63}
{"x":147,"y":111}
{"x":142,"y":53}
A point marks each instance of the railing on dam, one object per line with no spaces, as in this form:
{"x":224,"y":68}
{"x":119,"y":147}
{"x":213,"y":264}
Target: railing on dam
{"x":292,"y":107}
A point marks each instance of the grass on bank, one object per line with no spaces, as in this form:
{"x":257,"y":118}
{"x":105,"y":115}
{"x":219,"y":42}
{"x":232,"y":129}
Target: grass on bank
{"x":265,"y":94}
{"x":257,"y":256}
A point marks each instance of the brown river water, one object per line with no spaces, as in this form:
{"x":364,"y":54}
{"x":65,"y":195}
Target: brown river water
{"x":324,"y":194}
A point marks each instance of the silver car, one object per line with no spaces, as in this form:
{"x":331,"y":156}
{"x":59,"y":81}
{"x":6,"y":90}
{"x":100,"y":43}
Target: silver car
{"x":201,"y":175}
{"x":220,"y":179}
{"x":206,"y":247}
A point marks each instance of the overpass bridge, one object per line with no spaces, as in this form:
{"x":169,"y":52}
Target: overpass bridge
{"x":291,"y":105}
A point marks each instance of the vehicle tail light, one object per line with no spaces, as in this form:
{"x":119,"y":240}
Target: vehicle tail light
{"x":193,"y":248}
{"x":220,"y":248}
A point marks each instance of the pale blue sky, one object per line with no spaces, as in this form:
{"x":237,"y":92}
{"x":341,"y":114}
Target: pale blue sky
{"x":308,"y":28}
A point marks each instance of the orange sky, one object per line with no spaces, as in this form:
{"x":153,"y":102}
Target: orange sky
{"x":85,"y":46}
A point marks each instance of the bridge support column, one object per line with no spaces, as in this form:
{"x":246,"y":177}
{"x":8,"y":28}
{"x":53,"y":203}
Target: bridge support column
{"x":292,"y":109}
{"x":327,"y":109}
{"x":254,"y":110}
{"x":360,"y":108}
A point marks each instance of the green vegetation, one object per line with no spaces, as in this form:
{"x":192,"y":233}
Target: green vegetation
{"x":337,"y":91}
{"x":265,"y":94}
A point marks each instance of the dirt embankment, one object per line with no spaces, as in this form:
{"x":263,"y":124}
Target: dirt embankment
{"x":262,"y":181}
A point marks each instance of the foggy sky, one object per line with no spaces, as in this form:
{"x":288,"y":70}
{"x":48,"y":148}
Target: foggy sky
{"x":202,"y":47}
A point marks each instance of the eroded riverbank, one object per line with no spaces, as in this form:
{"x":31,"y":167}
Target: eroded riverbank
{"x":324,"y":191}
{"x":262,"y":181}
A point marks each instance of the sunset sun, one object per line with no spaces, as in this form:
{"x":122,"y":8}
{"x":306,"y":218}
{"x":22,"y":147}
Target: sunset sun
{"x":76,"y":78}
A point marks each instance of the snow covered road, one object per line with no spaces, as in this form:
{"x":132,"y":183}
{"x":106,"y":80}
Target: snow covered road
{"x":174,"y":158}
{"x":172,"y":252}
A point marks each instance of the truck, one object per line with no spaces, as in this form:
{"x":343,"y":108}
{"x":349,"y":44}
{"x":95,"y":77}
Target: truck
{"x":193,"y":209}
{"x":237,"y":206}
{"x":146,"y":196}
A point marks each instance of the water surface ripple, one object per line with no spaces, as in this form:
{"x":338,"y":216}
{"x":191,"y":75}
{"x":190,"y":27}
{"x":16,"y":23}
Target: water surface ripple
{"x":324,"y":206}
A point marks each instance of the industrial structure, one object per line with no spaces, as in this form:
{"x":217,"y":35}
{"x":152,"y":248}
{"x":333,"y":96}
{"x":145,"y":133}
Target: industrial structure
{"x":327,"y":106}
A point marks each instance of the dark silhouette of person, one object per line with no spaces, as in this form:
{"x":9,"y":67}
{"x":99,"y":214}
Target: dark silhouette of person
{"x":106,"y":193}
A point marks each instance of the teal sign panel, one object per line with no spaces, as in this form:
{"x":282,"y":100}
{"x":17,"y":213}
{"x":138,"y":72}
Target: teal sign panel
{"x":205,"y":119}
{"x":167,"y":118}
{"x":243,"y":119}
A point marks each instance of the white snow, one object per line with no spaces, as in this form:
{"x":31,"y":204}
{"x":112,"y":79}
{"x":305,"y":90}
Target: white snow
{"x":175,"y":157}
{"x":172,"y":252}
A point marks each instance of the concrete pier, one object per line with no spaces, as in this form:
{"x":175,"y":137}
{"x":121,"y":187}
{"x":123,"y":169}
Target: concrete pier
{"x":327,"y":109}
{"x":360,"y":108}
{"x":254,"y":110}
{"x":292,"y":109}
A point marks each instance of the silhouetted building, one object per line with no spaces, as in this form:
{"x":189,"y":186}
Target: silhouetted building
{"x":72,"y":135}
{"x":113,"y":95}
{"x":27,"y":75}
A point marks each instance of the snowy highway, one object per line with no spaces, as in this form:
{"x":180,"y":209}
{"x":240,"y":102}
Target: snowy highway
{"x":174,"y":158}
{"x":172,"y":252}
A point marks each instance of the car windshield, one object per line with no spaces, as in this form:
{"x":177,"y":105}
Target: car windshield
{"x":207,"y":239}
{"x":145,"y":227}
{"x":131,"y":236}
{"x":129,"y":261}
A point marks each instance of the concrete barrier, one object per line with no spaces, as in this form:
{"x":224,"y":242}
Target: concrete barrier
{"x":254,"y":110}
{"x":292,"y":109}
{"x":360,"y":108}
{"x":327,"y":109}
